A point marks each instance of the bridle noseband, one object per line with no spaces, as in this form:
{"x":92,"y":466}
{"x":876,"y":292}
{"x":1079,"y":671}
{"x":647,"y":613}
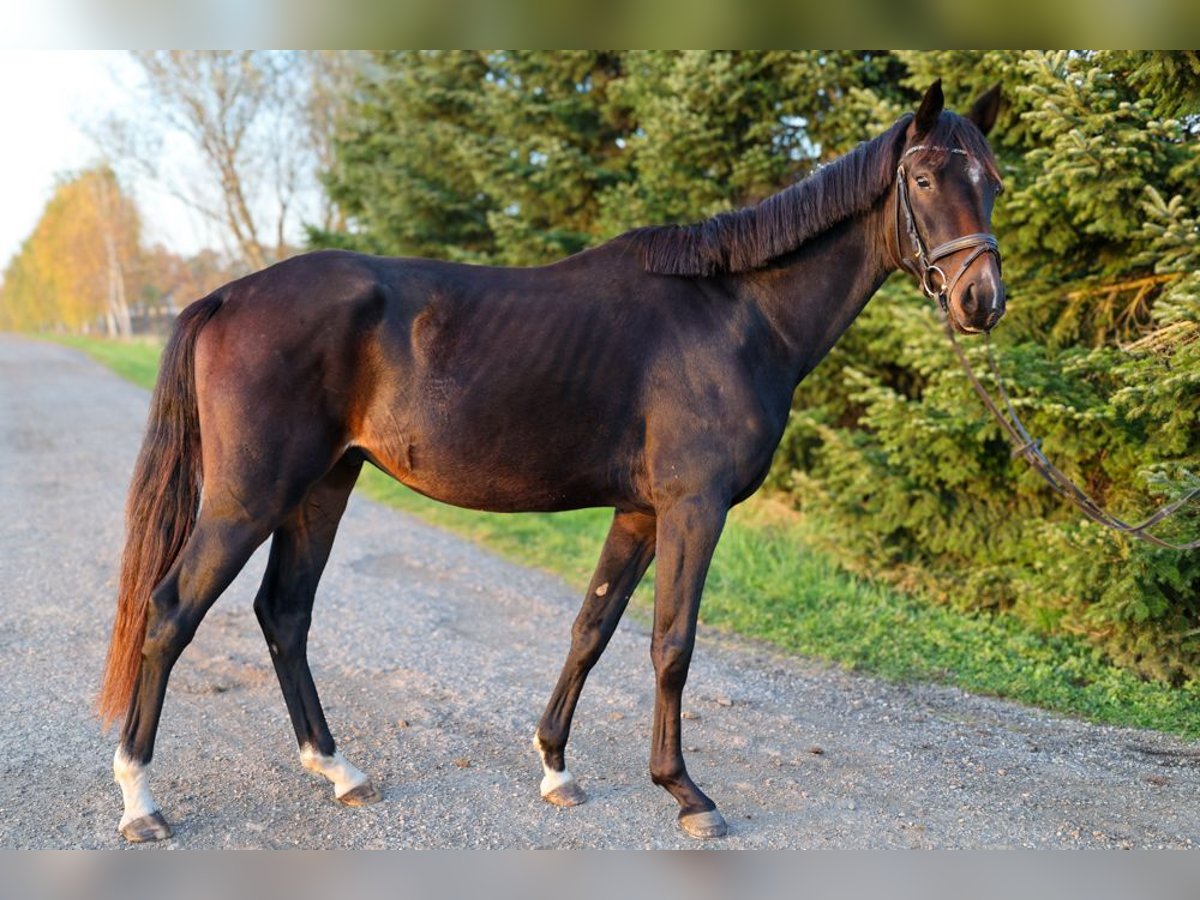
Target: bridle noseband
{"x":924,"y":266}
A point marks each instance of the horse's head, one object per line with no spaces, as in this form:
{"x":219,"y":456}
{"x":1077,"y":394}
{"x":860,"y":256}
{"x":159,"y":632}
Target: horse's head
{"x":946,"y":184}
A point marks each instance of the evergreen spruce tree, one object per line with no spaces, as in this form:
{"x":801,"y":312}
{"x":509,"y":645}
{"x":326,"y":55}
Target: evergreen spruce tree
{"x":484,"y":157}
{"x":406,"y":151}
{"x":722,"y":129}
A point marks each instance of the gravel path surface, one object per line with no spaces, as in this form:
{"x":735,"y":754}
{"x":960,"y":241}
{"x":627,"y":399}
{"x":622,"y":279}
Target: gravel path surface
{"x":434,"y":659}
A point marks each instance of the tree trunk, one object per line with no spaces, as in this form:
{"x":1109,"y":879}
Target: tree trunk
{"x":118,"y":309}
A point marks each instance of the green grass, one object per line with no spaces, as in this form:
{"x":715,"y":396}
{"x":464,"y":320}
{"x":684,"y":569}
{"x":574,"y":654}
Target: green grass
{"x":135,"y":360}
{"x":768,"y":583}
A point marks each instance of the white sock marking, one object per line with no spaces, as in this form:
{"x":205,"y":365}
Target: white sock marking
{"x":134,"y":779}
{"x":551,"y":779}
{"x":336,"y":768}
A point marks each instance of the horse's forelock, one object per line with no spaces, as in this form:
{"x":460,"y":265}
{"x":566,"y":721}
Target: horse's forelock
{"x":954,"y":132}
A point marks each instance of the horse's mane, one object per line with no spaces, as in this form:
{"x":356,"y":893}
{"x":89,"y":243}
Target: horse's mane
{"x":745,"y":239}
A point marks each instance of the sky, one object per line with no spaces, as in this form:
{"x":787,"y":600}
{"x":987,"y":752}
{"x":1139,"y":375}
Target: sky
{"x":47,"y":99}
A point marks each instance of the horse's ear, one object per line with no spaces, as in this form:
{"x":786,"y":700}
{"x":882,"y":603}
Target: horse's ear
{"x":929,"y":110}
{"x":983,"y":113}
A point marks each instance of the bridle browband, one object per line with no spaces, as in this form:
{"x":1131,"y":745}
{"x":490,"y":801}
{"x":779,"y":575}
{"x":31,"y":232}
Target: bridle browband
{"x":924,"y":266}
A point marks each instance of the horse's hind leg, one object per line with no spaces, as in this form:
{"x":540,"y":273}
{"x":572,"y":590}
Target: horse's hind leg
{"x":215,"y":552}
{"x":299,"y":551}
{"x":623,"y":561}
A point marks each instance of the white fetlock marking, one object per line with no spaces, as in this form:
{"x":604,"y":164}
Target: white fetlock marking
{"x":345,"y":776}
{"x":134,"y":779}
{"x":551,"y":779}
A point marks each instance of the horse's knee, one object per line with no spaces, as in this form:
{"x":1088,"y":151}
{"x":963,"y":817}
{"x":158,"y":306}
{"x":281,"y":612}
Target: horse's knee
{"x":671,"y":657}
{"x":587,"y":644}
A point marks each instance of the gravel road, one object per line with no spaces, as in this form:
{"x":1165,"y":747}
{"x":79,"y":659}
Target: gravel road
{"x":434,"y":659}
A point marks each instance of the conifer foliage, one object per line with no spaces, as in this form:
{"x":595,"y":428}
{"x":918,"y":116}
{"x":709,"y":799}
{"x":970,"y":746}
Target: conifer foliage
{"x":521,"y":158}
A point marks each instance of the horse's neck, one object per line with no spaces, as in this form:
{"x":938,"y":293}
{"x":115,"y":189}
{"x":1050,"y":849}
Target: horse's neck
{"x":812,"y":295}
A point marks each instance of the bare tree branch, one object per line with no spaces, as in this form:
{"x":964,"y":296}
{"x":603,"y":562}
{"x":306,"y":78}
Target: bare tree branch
{"x":261,"y":126}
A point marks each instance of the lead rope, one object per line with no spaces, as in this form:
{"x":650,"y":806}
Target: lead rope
{"x":1031,"y":451}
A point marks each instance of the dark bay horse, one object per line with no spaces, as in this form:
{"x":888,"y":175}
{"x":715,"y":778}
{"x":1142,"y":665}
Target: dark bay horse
{"x":652,"y":374}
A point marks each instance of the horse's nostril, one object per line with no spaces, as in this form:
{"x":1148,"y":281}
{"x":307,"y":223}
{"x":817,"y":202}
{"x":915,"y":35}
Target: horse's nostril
{"x":969,"y":302}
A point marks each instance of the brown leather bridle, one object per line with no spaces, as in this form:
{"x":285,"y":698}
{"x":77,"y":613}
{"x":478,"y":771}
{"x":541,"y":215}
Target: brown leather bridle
{"x":924,"y":265}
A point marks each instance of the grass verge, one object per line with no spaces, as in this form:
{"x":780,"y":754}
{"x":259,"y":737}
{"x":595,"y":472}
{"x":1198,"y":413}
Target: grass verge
{"x":767,"y":582}
{"x":135,"y":360}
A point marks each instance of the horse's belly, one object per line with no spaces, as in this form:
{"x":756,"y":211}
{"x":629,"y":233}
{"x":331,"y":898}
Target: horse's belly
{"x":502,"y":489}
{"x":522,"y":470}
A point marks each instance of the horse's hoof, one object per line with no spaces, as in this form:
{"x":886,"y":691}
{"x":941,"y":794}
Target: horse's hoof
{"x":148,"y":828}
{"x":363,"y":795}
{"x":704,"y":825}
{"x":566,"y":794}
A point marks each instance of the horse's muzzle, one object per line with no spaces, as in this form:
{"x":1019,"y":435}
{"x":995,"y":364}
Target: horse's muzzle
{"x":981,"y":302}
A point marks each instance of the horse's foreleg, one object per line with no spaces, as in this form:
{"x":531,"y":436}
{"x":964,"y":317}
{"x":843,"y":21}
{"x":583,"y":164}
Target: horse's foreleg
{"x":626,"y":554}
{"x":687,"y":535}
{"x":212,"y":556}
{"x":299,"y":551}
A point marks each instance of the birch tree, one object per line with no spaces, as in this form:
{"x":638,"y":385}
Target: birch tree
{"x":76,"y":266}
{"x":245,"y":115}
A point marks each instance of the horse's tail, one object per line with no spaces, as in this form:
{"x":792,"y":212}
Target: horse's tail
{"x":161,"y":508}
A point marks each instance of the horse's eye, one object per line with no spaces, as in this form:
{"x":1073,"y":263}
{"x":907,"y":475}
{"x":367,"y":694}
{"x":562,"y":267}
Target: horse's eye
{"x":922,"y":182}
